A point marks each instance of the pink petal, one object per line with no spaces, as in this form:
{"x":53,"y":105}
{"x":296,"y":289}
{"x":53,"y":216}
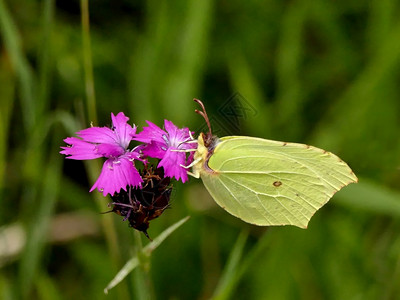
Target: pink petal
{"x":155,"y":149}
{"x":176,"y":136}
{"x":98,"y":135}
{"x":150,"y":133}
{"x":117,"y":174}
{"x":135,"y":154}
{"x":171,"y":128}
{"x":123,"y":131}
{"x":172,"y":162}
{"x":80,"y":150}
{"x":110,"y":150}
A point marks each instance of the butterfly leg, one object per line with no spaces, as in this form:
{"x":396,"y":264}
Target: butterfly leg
{"x":192,"y":164}
{"x":183,"y":150}
{"x":193,"y":174}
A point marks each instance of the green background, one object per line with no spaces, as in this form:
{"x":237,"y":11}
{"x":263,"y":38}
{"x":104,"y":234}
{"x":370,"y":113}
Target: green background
{"x":318,"y":72}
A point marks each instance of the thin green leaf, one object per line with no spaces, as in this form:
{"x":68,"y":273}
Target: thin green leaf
{"x":129,"y":267}
{"x":12,"y":43}
{"x":159,"y":239}
{"x":226,"y":283}
{"x":134,"y":261}
{"x":373,"y":197}
{"x":252,"y":256}
{"x":32,"y":255}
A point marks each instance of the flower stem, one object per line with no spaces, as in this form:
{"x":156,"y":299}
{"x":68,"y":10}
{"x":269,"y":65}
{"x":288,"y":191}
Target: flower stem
{"x":94,"y":167}
{"x":142,"y":283}
{"x":87,"y":62}
{"x":108,"y":227}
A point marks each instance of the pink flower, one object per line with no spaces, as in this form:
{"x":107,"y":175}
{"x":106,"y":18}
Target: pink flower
{"x":118,"y":170}
{"x":169,"y":146}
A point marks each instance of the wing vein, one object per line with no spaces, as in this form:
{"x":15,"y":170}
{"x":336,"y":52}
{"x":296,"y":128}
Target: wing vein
{"x":273,"y":197}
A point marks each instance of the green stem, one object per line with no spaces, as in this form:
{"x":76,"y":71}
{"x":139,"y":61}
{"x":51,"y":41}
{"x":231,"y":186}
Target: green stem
{"x":87,"y":62}
{"x":12,"y":43}
{"x":94,"y":167}
{"x":142,"y":282}
{"x":45,"y":57}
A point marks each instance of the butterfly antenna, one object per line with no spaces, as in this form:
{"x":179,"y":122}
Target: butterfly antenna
{"x":204,"y":115}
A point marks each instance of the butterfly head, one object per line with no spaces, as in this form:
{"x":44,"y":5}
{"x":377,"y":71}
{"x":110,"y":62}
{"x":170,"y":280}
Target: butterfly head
{"x":206,"y":144}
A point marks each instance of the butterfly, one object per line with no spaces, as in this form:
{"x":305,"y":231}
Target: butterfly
{"x":266,"y":182}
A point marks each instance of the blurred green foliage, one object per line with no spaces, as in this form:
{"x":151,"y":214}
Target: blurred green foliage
{"x":319,"y":72}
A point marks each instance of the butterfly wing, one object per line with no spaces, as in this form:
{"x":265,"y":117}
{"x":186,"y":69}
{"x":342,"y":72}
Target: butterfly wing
{"x":266,"y":182}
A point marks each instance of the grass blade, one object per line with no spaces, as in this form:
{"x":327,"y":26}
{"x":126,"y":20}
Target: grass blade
{"x":38,"y":227}
{"x":370,"y":196}
{"x":13,"y":46}
{"x":134,"y":261}
{"x":87,"y":63}
{"x":226,"y":283}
